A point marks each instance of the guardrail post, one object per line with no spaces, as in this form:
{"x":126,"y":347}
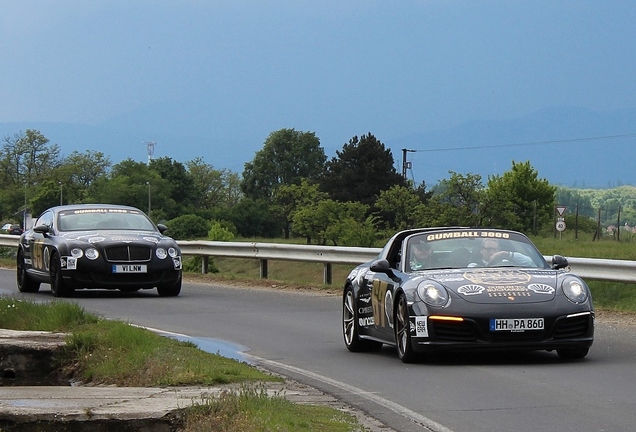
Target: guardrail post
{"x":205,"y":262}
{"x":327,"y":274}
{"x":263,"y":268}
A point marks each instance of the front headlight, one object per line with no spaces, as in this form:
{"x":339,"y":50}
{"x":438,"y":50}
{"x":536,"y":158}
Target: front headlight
{"x":172,"y":252}
{"x":575,"y":290}
{"x":161,"y":253}
{"x":91,"y":253}
{"x":77,"y":252}
{"x":432,"y":293}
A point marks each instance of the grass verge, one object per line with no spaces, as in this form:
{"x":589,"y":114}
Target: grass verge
{"x":109,"y":352}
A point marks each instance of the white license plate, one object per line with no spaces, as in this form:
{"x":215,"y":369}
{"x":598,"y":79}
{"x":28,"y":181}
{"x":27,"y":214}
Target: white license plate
{"x":130,"y":268}
{"x":516,"y":324}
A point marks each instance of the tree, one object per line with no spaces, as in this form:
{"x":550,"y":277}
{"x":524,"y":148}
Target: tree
{"x":181,"y":185}
{"x":213,"y":188}
{"x":286,"y":157}
{"x":329,"y":220}
{"x":132,"y":183}
{"x":188,"y":226}
{"x":400,"y":207}
{"x":289,"y":198}
{"x":519,"y":200}
{"x":28,"y":156}
{"x":78,"y":173}
{"x":457,"y":200}
{"x":360,"y":171}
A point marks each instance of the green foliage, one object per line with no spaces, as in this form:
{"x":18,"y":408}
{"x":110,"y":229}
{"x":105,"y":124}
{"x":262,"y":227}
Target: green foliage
{"x":252,"y":218}
{"x":289,"y":198}
{"x":457,"y":201}
{"x":194,"y":264}
{"x":358,"y":173}
{"x":221,"y":231}
{"x":400,"y":208}
{"x":187,"y":227}
{"x":55,"y":316}
{"x":179,"y":182}
{"x":287,"y":157}
{"x":519,"y":200}
{"x":328,"y":220}
{"x":213,"y":188}
{"x":252,"y":409}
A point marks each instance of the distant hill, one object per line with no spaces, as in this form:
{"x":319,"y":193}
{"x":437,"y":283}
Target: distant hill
{"x":569,"y":146}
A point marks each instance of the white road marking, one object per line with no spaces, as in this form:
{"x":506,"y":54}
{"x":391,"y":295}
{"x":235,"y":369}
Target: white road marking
{"x":399,"y":409}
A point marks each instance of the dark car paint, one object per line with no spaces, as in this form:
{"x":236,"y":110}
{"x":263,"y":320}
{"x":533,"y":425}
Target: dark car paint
{"x":378,"y":283}
{"x":38,"y":246}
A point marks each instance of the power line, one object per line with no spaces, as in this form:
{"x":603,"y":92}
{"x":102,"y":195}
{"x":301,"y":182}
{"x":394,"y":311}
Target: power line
{"x":528,"y":143}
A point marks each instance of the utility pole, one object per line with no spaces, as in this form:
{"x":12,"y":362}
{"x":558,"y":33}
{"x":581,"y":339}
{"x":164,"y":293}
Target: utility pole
{"x":405,"y":165}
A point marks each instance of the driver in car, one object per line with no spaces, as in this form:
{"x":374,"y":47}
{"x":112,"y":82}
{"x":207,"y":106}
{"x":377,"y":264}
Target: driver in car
{"x":492,"y":254}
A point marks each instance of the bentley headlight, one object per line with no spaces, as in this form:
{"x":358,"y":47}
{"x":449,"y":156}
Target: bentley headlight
{"x":172,"y":252}
{"x":77,"y":252}
{"x":161,"y":253}
{"x":432,"y":293}
{"x":575,"y":290}
{"x":91,"y":253}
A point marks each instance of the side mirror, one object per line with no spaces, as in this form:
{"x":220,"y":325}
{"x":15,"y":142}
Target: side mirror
{"x":42,"y":229}
{"x":381,"y":266}
{"x":162,"y":228}
{"x":559,"y":262}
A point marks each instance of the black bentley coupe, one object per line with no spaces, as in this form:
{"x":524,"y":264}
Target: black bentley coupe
{"x":97,"y":246}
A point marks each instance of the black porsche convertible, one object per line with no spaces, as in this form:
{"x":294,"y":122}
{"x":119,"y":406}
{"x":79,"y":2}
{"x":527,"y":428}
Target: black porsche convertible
{"x":443,"y":289}
{"x":97,"y":246}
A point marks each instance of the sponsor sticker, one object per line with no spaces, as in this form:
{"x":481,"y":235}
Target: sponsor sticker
{"x":366,"y":322}
{"x":71,"y":263}
{"x":421,"y":326}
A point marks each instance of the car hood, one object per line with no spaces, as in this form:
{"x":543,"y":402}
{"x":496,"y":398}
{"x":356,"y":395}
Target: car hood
{"x":500,"y":285}
{"x":113,"y":236}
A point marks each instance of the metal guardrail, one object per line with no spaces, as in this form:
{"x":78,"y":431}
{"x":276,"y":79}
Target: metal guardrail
{"x":587,"y":268}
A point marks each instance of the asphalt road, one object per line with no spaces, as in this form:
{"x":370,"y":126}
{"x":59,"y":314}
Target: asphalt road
{"x":300,"y":335}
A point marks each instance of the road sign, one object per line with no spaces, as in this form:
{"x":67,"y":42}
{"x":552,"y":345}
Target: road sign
{"x":560,"y":226}
{"x":560,"y":210}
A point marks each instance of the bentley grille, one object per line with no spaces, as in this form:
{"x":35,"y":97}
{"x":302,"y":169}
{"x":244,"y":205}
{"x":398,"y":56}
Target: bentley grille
{"x":128,"y":253}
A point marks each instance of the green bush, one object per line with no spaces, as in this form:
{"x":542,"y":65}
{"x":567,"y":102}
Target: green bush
{"x":221,"y":231}
{"x":187,"y":227}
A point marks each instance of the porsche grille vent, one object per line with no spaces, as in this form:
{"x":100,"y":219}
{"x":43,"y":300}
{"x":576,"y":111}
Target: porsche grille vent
{"x":128,"y":253}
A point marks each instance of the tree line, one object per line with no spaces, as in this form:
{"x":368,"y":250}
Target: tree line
{"x":289,"y":189}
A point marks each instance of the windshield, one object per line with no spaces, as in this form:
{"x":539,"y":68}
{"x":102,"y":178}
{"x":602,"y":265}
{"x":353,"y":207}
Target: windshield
{"x":471,"y":248}
{"x":103,"y":219}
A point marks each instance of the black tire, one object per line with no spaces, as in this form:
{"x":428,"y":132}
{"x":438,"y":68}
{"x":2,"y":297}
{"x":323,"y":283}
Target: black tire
{"x":573,"y":353}
{"x":25,"y":283}
{"x":58,"y":286}
{"x":350,"y":329}
{"x":403,"y":331}
{"x":170,"y":290}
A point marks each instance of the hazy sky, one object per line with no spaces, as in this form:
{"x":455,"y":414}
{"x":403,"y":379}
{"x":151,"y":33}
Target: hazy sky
{"x":242,"y":69}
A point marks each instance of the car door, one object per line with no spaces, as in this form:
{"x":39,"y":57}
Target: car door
{"x":39,"y":244}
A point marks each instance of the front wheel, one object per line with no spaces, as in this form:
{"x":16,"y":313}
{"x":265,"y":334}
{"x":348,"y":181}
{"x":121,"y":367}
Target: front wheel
{"x":170,"y":290}
{"x":58,"y":286}
{"x":573,"y":353}
{"x":403,"y":332}
{"x":25,"y":283}
{"x":350,"y":329}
